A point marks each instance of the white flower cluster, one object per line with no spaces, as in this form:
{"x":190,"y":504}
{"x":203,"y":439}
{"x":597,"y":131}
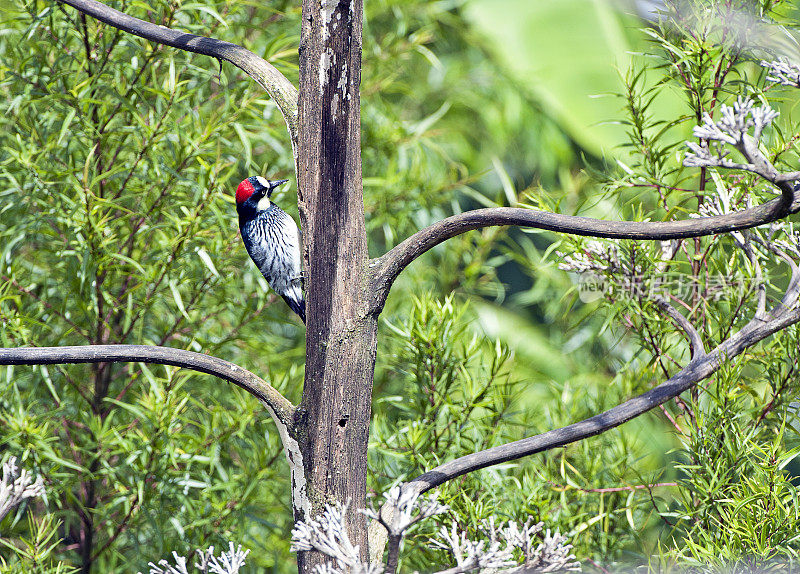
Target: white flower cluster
{"x":731,"y":129}
{"x":164,"y":567}
{"x":328,"y":534}
{"x":596,"y":257}
{"x":506,"y":546}
{"x":735,"y":121}
{"x":551,"y":555}
{"x":721,"y":203}
{"x":404,"y":504}
{"x":16,"y":486}
{"x":470,"y":554}
{"x":227,"y":563}
{"x":783,"y":72}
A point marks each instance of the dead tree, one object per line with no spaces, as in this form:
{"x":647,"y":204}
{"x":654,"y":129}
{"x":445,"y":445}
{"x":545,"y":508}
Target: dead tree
{"x":325,"y":437}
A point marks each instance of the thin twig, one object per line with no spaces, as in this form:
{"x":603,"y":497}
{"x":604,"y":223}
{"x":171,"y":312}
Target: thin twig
{"x":276,"y":84}
{"x":696,"y":346}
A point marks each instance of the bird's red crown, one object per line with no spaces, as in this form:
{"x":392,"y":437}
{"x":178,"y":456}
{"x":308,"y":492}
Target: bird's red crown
{"x":244,"y":191}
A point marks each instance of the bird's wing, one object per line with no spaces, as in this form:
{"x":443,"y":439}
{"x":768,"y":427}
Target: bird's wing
{"x":293,"y":245}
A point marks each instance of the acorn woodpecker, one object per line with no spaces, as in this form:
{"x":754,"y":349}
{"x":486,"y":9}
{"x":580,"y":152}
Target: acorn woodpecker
{"x":272,"y":240}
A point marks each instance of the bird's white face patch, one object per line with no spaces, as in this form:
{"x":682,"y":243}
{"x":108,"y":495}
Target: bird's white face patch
{"x":263,"y":203}
{"x":263,"y":181}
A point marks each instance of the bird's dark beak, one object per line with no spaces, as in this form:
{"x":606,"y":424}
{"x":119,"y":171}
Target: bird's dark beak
{"x":275,"y":185}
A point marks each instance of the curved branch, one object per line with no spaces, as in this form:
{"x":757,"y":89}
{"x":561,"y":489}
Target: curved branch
{"x":694,"y":372}
{"x":387,"y":267}
{"x":280,"y":408}
{"x":265,"y":74}
{"x":790,"y":297}
{"x":696,"y":347}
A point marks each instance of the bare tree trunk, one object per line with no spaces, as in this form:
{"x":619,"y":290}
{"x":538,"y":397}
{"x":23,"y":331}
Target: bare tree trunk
{"x":333,"y":419}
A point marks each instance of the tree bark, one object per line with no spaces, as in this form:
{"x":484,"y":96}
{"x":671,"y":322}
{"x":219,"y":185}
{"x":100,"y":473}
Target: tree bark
{"x":333,"y":419}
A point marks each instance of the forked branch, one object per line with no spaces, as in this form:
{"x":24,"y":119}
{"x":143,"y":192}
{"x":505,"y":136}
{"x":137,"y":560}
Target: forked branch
{"x":388,"y":267}
{"x":280,"y":408}
{"x":265,"y":74}
{"x":732,"y":129}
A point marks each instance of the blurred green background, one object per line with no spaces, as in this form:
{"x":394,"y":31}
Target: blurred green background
{"x":118,"y":163}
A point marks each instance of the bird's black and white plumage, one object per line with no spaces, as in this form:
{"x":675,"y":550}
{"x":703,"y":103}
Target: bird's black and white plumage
{"x":272,"y":240}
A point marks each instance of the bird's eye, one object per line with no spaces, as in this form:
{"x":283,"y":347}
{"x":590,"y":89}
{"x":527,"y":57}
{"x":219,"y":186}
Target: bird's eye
{"x":262,"y":180}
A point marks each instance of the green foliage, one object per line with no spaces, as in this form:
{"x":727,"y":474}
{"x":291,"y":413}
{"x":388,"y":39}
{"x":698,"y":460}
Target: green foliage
{"x":117,"y":163}
{"x":462,"y":388}
{"x":459,"y":398}
{"x":34,"y":555}
{"x":737,"y":503}
{"x":744,"y":512}
{"x":734,"y":502}
{"x":118,"y":160}
{"x":574,"y":84}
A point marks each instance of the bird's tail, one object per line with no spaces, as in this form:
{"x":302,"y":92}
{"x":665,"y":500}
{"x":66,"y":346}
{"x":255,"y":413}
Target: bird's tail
{"x":297,"y":305}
